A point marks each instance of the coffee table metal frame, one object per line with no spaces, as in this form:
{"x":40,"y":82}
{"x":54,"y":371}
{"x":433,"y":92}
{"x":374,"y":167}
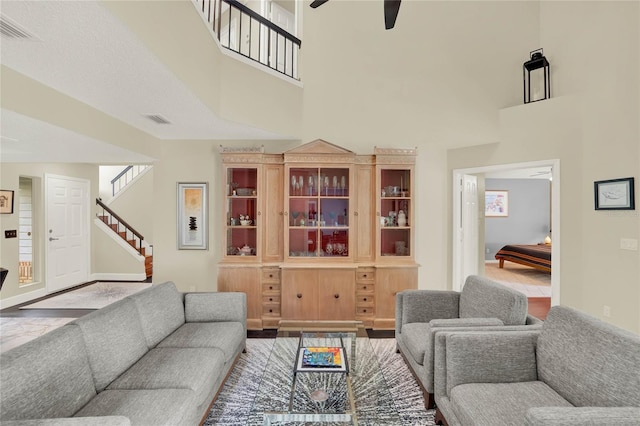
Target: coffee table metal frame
{"x":320,"y":414}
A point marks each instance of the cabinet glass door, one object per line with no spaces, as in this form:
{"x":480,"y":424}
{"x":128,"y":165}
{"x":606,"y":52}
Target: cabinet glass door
{"x":318,"y":204}
{"x":241,"y":211}
{"x":395,"y":208}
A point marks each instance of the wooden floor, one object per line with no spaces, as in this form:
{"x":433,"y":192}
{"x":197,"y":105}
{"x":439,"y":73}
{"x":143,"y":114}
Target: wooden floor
{"x":530,"y":279}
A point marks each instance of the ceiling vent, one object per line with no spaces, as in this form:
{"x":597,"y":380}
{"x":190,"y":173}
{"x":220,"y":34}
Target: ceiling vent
{"x":12,"y":30}
{"x":157,"y":118}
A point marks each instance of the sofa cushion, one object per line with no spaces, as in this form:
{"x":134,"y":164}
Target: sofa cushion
{"x":227,"y":336}
{"x":214,"y":307}
{"x":587,"y":361}
{"x":501,"y":404}
{"x":114,"y":339}
{"x":46,"y":377}
{"x":145,"y":407}
{"x":198,"y":369}
{"x":484,"y":298}
{"x":161,"y":310}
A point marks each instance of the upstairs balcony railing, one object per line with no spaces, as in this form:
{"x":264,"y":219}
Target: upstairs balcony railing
{"x":246,"y":32}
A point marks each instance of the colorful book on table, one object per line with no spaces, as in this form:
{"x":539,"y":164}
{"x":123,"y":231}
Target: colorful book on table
{"x":322,"y":357}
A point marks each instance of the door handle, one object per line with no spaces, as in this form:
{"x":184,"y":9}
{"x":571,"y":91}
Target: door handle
{"x":53,"y":239}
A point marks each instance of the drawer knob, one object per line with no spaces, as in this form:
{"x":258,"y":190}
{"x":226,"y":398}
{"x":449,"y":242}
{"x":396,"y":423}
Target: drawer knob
{"x":270,"y":287}
{"x":365,"y":287}
{"x":270,"y":275}
{"x":270,"y":310}
{"x":364,"y":276}
{"x":271,"y":299}
{"x":364,"y":310}
{"x":337,"y":296}
{"x":365,"y":299}
{"x":299,"y":295}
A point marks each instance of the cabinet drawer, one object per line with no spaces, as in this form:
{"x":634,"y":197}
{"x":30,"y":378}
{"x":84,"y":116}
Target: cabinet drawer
{"x":365,"y":274}
{"x":365,"y":300}
{"x":271,"y":300}
{"x":362,"y":288}
{"x":271,"y":275}
{"x":364,"y":310}
{"x":270,"y":288}
{"x":271,"y":310}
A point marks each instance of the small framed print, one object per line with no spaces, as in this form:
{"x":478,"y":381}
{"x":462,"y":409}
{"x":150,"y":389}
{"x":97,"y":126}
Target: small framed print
{"x":614,"y":194}
{"x":192,"y":223}
{"x":496,"y":203}
{"x":6,"y":201}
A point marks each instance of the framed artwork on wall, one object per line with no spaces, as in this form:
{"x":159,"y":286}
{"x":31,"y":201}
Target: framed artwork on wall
{"x":192,"y":223}
{"x":614,"y":194}
{"x":496,"y":203}
{"x":6,"y":201}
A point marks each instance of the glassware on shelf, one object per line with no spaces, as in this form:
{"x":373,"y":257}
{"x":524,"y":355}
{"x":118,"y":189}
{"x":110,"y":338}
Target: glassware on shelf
{"x":335,"y":185}
{"x":300,"y":185}
{"x":343,"y":184}
{"x":310,"y":185}
{"x":329,"y":249}
{"x":295,"y":216}
{"x":332,"y":217}
{"x":326,"y":186}
{"x":294,"y":184}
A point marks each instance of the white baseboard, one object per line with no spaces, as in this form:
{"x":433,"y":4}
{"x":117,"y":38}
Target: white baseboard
{"x":102,"y":276}
{"x":22,"y":298}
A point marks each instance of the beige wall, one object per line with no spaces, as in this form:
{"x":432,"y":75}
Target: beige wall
{"x":425,"y":94}
{"x":591,"y":125}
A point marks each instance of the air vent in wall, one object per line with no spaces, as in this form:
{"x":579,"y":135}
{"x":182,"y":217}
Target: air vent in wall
{"x":12,"y":30}
{"x":157,"y":118}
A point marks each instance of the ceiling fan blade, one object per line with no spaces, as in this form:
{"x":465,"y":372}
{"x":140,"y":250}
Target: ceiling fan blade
{"x":316,"y":3}
{"x":391,"y":8}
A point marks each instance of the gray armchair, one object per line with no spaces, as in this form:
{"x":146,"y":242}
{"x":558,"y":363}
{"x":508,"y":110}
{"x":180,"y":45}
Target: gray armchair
{"x":575,"y":370}
{"x":482,"y":304}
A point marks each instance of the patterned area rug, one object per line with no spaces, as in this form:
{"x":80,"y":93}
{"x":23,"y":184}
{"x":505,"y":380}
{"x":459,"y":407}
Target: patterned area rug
{"x":94,"y":296}
{"x":16,"y":331}
{"x":234,"y":404}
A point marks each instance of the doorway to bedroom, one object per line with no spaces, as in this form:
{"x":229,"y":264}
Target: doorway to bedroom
{"x":513,"y":204}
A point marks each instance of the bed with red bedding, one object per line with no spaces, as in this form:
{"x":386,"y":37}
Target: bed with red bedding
{"x":537,"y":256}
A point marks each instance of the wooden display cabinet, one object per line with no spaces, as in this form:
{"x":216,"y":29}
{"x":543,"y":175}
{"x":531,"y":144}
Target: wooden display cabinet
{"x":330,"y":236}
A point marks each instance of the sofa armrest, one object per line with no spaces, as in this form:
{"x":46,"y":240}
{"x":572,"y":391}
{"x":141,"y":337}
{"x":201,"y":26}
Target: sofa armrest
{"x":216,"y":307}
{"x":490,"y":357}
{"x":72,"y":421}
{"x":577,"y":416}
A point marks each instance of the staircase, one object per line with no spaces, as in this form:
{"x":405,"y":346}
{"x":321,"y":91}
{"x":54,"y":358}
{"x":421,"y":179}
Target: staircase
{"x":128,"y":234}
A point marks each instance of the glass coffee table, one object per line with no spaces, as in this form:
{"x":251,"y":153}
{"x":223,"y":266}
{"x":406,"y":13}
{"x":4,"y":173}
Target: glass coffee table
{"x":356,"y":393}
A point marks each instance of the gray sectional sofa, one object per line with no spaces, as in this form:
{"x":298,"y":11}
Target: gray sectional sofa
{"x":576,"y":370}
{"x":158,"y":357}
{"x":482,"y":303}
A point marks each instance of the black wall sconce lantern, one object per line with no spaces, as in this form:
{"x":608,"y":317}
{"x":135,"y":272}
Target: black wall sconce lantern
{"x":536,"y":77}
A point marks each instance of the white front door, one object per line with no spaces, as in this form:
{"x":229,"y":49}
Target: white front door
{"x":67,"y":232}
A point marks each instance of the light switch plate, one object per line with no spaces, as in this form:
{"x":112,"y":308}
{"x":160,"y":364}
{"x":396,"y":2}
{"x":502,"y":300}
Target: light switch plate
{"x":629,"y":244}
